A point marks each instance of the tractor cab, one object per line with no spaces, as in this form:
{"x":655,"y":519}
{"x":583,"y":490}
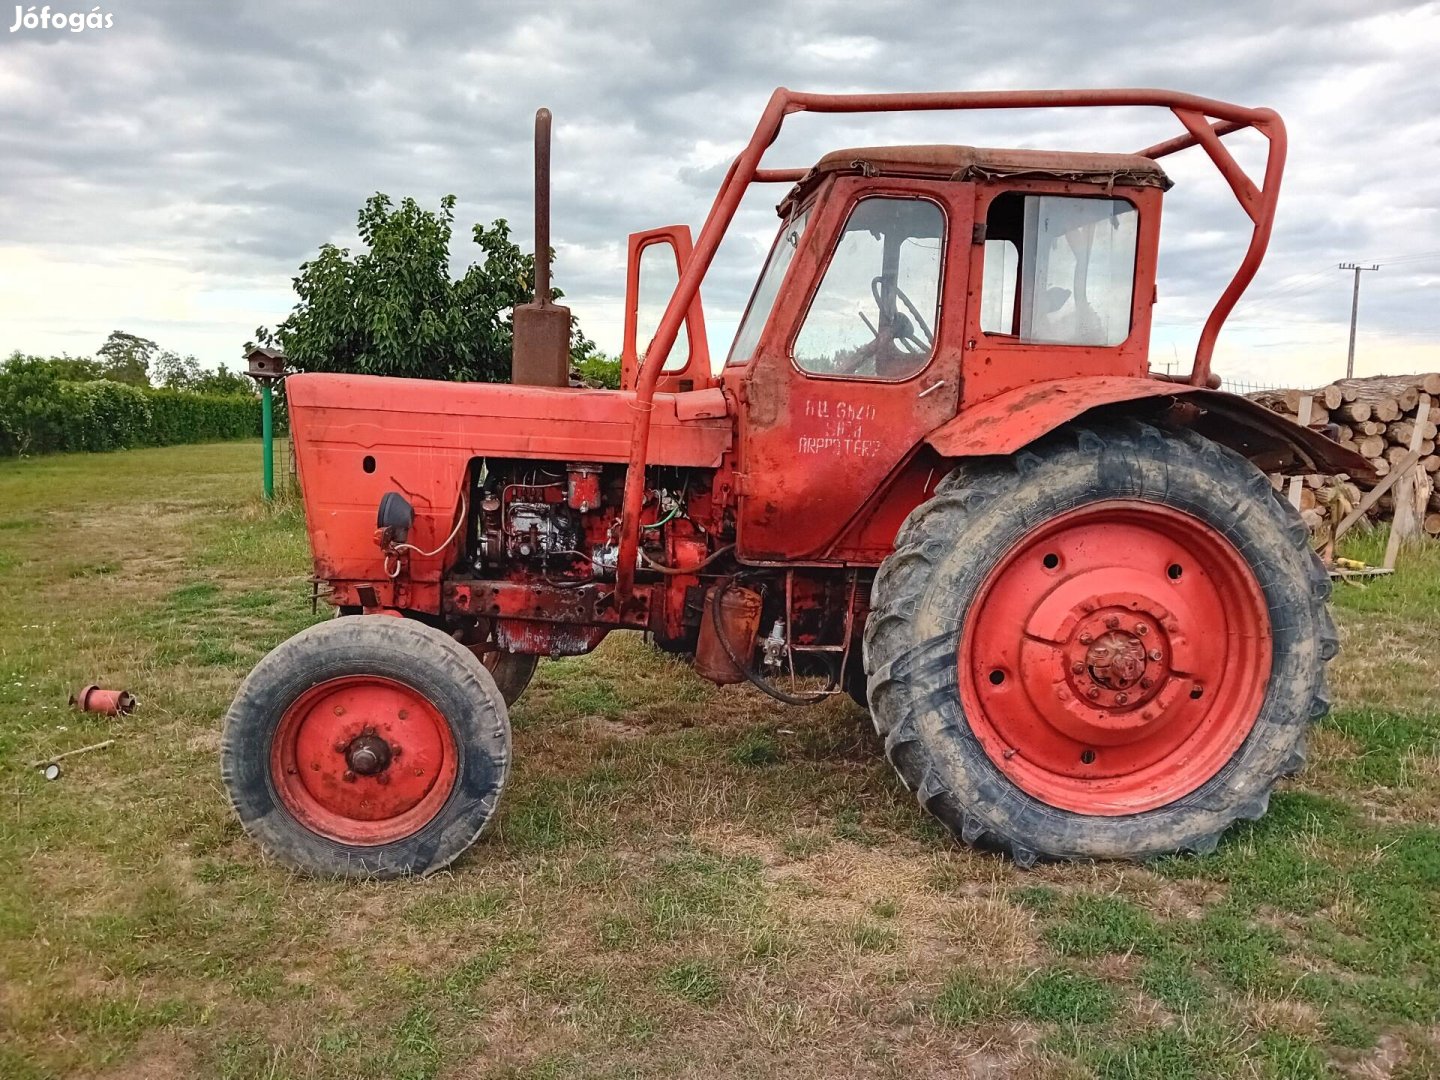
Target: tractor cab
{"x":905,"y":284}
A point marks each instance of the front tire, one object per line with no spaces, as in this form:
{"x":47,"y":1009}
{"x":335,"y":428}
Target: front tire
{"x":368,"y":746}
{"x":1108,"y":646}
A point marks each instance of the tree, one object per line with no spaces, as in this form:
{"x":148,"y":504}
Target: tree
{"x":223,"y":381}
{"x":125,"y":358}
{"x":394,"y":309}
{"x":176,"y":372}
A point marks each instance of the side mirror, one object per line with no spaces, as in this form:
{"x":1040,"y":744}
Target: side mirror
{"x":656,"y":259}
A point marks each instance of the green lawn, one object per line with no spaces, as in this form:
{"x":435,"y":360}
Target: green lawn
{"x":686,"y":881}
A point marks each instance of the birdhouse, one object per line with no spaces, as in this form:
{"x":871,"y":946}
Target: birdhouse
{"x":266,"y":365}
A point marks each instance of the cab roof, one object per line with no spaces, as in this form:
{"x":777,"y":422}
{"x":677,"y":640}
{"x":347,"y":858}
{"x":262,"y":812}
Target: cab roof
{"x":979,"y":163}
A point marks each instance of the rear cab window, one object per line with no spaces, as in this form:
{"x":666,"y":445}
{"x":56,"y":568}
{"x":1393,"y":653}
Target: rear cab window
{"x":1059,"y":269}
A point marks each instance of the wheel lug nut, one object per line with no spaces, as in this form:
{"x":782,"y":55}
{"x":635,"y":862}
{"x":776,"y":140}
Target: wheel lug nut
{"x":1141,"y":629}
{"x":403,"y":714}
{"x":1112,"y":622}
{"x":1146,"y":683}
{"x":339,"y":710}
{"x":1154,"y":654}
{"x":349,"y":777}
{"x":340,"y":745}
{"x":1122,"y":699}
{"x":1086,"y":639}
{"x":1077,"y":667}
{"x":1093,"y":692}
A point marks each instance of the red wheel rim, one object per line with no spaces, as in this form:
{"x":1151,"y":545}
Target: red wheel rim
{"x":1116,"y":658}
{"x":363,"y":760}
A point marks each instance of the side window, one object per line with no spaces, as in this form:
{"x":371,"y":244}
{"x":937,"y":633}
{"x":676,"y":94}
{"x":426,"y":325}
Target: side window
{"x":875,"y":312}
{"x":659,"y":276}
{"x":1059,"y":270}
{"x":999,"y":311}
{"x":767,"y":288}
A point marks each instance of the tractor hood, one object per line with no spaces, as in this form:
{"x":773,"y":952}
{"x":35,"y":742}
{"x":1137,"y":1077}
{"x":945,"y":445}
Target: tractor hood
{"x":372,"y":414}
{"x":357,"y":437}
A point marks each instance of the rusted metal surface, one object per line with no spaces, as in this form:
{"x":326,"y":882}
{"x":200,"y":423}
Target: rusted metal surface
{"x":738,"y":618}
{"x":106,"y":702}
{"x":950,"y":162}
{"x":541,"y":342}
{"x":593,"y":605}
{"x":533,"y":637}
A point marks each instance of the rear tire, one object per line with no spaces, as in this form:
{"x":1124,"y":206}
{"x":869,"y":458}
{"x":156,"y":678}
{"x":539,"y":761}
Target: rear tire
{"x":369,"y":746}
{"x":1139,"y":742}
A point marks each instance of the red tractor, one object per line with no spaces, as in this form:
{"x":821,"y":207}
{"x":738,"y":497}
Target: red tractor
{"x":935,"y":471}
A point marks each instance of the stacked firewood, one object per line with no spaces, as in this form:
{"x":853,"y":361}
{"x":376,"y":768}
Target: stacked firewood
{"x":1381,"y":419}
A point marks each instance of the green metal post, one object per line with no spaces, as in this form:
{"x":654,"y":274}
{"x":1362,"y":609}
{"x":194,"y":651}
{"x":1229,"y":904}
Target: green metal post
{"x":267,"y":435}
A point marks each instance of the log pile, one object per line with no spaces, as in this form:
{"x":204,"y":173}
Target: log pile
{"x":1394,"y":422}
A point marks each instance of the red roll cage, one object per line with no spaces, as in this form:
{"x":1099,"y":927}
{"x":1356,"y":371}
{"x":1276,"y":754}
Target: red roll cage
{"x":1205,"y":120}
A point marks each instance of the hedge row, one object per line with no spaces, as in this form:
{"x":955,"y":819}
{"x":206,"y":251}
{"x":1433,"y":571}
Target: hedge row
{"x":45,"y":416}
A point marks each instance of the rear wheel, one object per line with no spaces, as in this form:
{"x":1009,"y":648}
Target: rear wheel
{"x":366,"y":747}
{"x":1109,"y":646}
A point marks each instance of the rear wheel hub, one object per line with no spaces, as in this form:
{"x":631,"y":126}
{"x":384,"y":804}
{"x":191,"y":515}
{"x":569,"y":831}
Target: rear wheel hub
{"x":368,"y":755}
{"x":1115,"y":658}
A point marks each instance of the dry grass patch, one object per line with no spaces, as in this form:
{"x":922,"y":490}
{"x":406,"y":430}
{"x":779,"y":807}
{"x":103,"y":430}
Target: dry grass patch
{"x":685,"y":881}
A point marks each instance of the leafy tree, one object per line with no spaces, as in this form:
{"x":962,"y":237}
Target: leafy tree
{"x":223,"y":381}
{"x":175,"y":372}
{"x":125,"y":358}
{"x":63,"y":367}
{"x":394,"y":308}
{"x":597,"y":369}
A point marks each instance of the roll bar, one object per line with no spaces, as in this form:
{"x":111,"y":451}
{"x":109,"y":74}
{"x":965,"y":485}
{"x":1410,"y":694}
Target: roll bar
{"x":1205,"y":120}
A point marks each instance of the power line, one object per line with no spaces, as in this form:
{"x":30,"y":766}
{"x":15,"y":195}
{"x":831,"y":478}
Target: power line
{"x":1390,"y":260}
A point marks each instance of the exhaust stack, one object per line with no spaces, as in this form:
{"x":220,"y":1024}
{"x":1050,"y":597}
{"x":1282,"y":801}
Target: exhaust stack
{"x":541,"y":346}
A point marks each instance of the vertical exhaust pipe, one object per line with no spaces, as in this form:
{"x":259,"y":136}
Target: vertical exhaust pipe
{"x":541,"y":347}
{"x":542,"y":206}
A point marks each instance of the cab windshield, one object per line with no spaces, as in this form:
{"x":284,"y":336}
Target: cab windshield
{"x":768,"y":287}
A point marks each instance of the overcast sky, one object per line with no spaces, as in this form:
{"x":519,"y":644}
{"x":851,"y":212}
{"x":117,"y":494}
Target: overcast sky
{"x":168,"y":174}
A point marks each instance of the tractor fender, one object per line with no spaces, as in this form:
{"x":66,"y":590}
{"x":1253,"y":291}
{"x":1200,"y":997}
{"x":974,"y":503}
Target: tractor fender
{"x":1005,"y":423}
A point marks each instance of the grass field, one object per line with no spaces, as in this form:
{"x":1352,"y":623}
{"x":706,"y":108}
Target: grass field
{"x":685,"y":881}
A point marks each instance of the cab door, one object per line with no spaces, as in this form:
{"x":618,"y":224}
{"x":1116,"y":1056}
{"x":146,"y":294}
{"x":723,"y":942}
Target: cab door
{"x":857,"y":362}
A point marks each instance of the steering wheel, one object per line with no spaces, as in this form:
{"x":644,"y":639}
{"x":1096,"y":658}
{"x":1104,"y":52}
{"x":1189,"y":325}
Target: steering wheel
{"x":905,"y":333}
{"x":900,"y":343}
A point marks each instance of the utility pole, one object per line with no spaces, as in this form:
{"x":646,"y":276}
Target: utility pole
{"x":1354,"y":313}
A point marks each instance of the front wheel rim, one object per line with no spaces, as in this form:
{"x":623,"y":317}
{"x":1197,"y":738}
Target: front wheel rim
{"x":363,"y":760}
{"x":1115,"y":658}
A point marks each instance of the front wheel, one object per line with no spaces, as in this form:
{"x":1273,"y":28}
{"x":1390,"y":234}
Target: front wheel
{"x":368,"y":746}
{"x":1109,"y":646}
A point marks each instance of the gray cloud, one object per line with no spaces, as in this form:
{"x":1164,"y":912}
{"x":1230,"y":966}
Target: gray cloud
{"x":226,"y":142}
